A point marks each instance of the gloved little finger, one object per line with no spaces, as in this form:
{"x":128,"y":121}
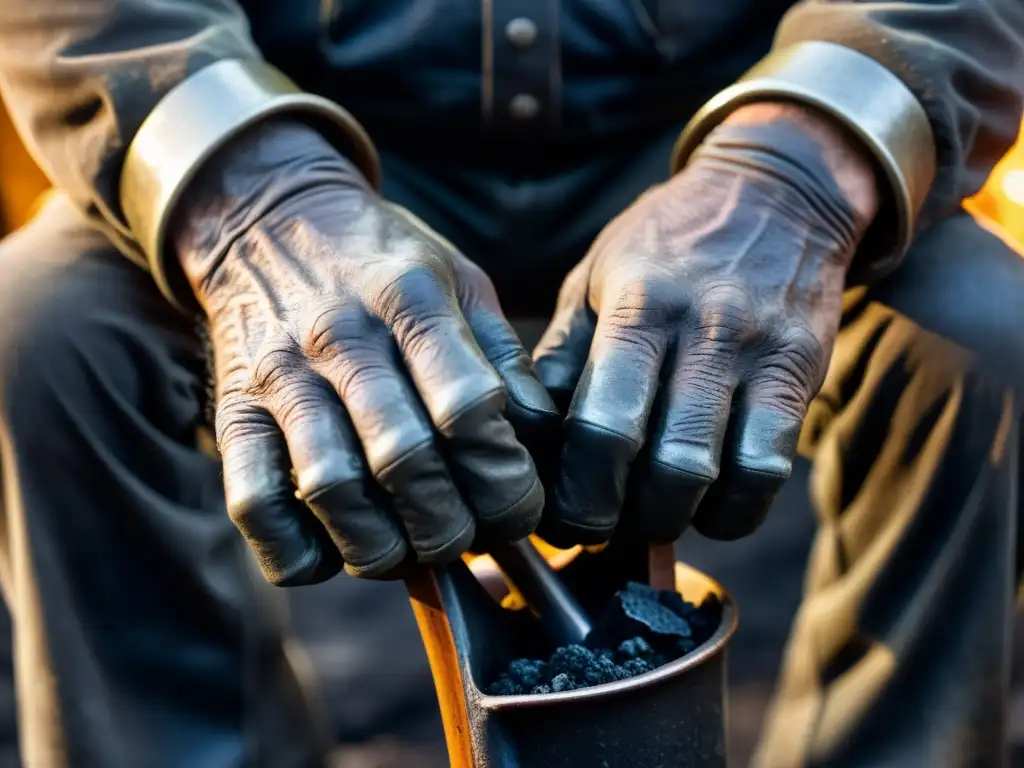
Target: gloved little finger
{"x":757,"y":460}
{"x":529,"y":407}
{"x":763,"y":433}
{"x":535,"y":425}
{"x":290,"y":544}
{"x":333,"y":479}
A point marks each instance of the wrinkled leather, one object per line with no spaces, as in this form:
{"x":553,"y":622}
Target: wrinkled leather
{"x":363,"y":369}
{"x":692,"y":338}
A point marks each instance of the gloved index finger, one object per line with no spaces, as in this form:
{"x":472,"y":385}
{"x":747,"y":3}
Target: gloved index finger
{"x":529,"y":407}
{"x":534,"y":418}
{"x":606,"y":425}
{"x":465,"y":398}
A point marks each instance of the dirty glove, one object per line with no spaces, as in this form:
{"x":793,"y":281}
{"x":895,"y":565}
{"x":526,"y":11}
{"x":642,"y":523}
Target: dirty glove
{"x":362,"y":366}
{"x":698,"y":328}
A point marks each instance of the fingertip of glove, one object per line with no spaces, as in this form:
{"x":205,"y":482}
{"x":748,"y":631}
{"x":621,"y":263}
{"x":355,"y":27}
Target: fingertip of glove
{"x":530,"y":408}
{"x":315,"y":566}
{"x":530,"y":417}
{"x":662,"y":511}
{"x":565,"y":534}
{"x":729,"y":523}
{"x":664,"y":531}
{"x":450,"y":550}
{"x":514,"y":523}
{"x":390,"y":565}
{"x":559,"y":379}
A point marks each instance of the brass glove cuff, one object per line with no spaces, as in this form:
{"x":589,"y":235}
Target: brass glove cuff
{"x":195,"y":119}
{"x":873,"y":104}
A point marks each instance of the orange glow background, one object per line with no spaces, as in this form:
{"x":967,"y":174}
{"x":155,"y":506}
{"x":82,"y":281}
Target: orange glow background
{"x":999,"y":206}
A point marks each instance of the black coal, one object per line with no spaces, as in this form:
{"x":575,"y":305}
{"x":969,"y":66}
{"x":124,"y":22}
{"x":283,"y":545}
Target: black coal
{"x":641,"y":629}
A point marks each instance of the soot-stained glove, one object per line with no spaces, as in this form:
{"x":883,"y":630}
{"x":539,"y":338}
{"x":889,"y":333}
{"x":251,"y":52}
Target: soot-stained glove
{"x":364,"y":370}
{"x":692,"y":338}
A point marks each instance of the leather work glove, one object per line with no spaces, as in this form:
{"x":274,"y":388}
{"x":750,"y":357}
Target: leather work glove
{"x":363,"y":368}
{"x":694,"y":334}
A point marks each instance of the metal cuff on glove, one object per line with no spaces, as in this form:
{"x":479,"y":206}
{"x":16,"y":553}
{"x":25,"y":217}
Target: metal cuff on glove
{"x":873,"y":104}
{"x":195,"y":119}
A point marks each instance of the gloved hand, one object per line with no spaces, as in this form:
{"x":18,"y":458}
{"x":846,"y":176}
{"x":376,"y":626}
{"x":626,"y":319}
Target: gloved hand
{"x":356,"y":346}
{"x":697,"y":330}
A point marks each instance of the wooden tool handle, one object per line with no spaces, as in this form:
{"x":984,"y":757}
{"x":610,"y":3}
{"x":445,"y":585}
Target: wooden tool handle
{"x":661,"y":564}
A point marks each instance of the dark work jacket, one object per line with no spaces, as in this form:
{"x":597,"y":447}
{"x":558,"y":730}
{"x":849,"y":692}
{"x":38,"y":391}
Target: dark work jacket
{"x":437,"y":83}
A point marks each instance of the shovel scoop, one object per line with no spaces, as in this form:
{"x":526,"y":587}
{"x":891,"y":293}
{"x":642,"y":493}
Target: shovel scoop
{"x":671,"y":714}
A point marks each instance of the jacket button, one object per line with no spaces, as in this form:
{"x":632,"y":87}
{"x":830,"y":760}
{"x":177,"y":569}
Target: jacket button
{"x":521,"y":32}
{"x":523,"y":106}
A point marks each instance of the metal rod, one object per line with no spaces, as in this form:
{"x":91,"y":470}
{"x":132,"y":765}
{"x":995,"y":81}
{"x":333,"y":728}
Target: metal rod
{"x":560,"y":613}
